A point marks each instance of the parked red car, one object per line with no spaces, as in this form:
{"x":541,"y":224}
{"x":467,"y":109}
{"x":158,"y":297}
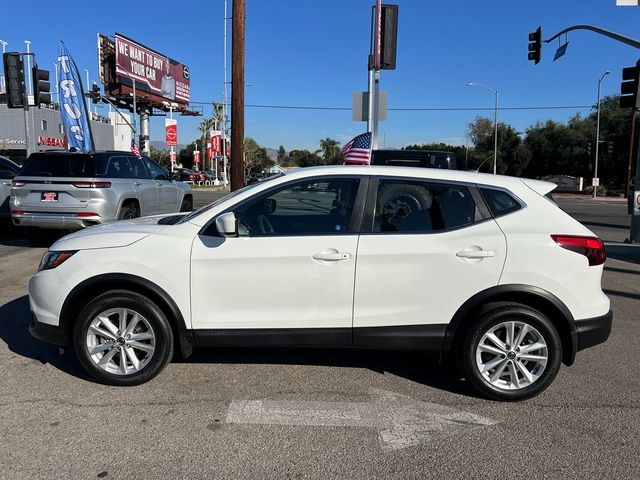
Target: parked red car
{"x":188,"y":175}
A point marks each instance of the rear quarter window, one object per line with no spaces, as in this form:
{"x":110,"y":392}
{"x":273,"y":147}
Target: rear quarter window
{"x":500,"y":202}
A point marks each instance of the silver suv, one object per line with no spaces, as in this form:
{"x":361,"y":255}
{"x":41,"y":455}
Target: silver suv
{"x":70,"y":191}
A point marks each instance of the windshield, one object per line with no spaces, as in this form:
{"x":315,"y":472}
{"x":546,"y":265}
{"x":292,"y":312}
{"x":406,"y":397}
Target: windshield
{"x":195,"y":213}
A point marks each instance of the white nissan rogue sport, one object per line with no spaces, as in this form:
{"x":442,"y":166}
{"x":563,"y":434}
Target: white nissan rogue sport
{"x":481,"y":267}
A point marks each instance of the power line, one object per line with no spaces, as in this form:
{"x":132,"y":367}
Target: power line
{"x":413,"y":109}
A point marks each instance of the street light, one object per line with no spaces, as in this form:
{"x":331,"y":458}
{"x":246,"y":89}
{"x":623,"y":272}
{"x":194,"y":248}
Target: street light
{"x":595,"y":170}
{"x":4,"y":50}
{"x":495,"y":121}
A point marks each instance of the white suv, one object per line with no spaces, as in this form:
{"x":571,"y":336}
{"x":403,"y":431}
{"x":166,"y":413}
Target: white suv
{"x":480,"y":266}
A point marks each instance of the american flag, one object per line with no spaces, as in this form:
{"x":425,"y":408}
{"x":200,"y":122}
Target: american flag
{"x":134,"y":148}
{"x":358,"y":150}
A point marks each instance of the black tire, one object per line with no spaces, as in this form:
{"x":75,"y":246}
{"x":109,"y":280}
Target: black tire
{"x":161,"y":355}
{"x":187,"y":205}
{"x":38,"y":237}
{"x":493,"y":315}
{"x":128,"y":211}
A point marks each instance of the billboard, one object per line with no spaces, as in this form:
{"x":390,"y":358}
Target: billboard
{"x":153,"y":72}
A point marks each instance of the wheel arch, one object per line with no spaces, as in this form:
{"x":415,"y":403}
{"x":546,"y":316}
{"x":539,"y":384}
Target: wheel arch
{"x":535,"y":297}
{"x":82,"y":293}
{"x":129,"y":199}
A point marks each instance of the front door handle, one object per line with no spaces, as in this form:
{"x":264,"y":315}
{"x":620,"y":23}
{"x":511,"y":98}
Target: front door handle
{"x":332,"y":256}
{"x":137,"y":184}
{"x":476,"y":253}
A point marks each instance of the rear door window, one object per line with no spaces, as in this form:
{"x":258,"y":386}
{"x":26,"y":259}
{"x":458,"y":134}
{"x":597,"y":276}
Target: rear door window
{"x":64,"y":165}
{"x":137,"y":168}
{"x":118,"y":168}
{"x":421,"y":207}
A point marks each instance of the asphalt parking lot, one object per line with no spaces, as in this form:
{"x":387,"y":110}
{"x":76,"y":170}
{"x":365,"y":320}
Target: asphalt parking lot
{"x":319,"y":413}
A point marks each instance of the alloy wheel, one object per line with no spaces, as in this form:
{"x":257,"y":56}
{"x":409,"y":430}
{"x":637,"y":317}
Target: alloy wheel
{"x":511,"y":355}
{"x":120,"y":341}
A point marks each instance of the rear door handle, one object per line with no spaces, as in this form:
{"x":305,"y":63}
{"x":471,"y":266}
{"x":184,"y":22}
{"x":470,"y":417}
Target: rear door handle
{"x":137,"y":184}
{"x":476,"y":253}
{"x":331,"y":256}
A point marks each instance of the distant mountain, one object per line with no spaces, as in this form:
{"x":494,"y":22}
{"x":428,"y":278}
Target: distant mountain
{"x":163,"y":146}
{"x":272,"y":153}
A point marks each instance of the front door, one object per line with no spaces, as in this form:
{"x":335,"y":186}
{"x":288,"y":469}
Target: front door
{"x":427,"y":250}
{"x":292,"y":268}
{"x":167,"y":190}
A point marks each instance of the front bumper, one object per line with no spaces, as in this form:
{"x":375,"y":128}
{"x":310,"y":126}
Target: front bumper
{"x":593,"y":331}
{"x":48,"y":333}
{"x":63,"y":221}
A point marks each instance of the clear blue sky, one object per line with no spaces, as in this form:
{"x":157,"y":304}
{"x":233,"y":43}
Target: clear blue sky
{"x":303,"y":52}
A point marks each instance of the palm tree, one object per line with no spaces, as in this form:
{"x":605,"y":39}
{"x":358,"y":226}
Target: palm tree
{"x":330,"y":149}
{"x":205,"y":126}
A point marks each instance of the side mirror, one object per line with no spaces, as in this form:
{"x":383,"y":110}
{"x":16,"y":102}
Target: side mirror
{"x":227,"y":225}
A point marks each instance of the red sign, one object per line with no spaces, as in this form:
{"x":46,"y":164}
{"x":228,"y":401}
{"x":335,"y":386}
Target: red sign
{"x":153,"y":72}
{"x":196,"y":156}
{"x":171,"y":131}
{"x":215,"y":144}
{"x":51,"y":141}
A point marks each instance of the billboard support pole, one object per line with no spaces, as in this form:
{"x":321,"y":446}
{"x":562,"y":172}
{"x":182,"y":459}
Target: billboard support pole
{"x":144,"y":131}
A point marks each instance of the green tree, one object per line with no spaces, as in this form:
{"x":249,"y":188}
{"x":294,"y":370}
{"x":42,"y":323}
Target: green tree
{"x":283,"y":158}
{"x":185,"y":156}
{"x":255,"y":157}
{"x":160,"y":156}
{"x":304,"y":158}
{"x":330,"y":149}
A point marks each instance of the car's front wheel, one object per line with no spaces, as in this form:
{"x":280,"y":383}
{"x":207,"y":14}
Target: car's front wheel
{"x":512,"y":352}
{"x":122,"y":338}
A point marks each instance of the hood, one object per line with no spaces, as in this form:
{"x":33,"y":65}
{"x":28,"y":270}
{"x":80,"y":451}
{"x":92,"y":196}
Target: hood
{"x":111,"y":235}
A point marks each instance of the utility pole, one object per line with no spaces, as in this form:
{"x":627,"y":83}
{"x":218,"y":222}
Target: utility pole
{"x":237,"y":95}
{"x":225,"y":180}
{"x":595,"y":170}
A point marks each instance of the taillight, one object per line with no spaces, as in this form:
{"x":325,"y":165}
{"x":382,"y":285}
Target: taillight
{"x":18,"y":183}
{"x":92,"y":184}
{"x":18,"y":212}
{"x":86,"y":214}
{"x":590,"y":247}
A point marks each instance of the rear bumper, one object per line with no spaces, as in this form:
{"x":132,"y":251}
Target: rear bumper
{"x":64,"y":221}
{"x":48,"y":333}
{"x":593,"y":331}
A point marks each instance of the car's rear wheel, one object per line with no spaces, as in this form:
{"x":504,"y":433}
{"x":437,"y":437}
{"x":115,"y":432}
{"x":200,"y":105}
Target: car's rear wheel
{"x":122,"y":338}
{"x":187,"y":205}
{"x":512,"y":352}
{"x":128,"y":211}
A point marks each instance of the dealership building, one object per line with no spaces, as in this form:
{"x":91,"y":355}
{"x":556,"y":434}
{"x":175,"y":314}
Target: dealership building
{"x":46,"y":131}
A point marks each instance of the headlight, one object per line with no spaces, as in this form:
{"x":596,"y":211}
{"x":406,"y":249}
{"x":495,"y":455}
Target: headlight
{"x":54,"y":259}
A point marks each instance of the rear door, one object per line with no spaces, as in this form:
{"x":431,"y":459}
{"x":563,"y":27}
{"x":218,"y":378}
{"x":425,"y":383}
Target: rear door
{"x":145,"y":187}
{"x":425,"y":249}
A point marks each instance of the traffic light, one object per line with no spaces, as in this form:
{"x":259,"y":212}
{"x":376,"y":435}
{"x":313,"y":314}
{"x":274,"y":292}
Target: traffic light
{"x":610,"y":148}
{"x":14,"y":74}
{"x":388,"y":37}
{"x":589,"y":149}
{"x":535,"y":45}
{"x":629,"y":87}
{"x":41,"y":86}
{"x":94,"y":94}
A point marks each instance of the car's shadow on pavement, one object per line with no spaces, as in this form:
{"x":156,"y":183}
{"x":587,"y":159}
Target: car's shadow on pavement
{"x":14,"y":323}
{"x":414,"y":366}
